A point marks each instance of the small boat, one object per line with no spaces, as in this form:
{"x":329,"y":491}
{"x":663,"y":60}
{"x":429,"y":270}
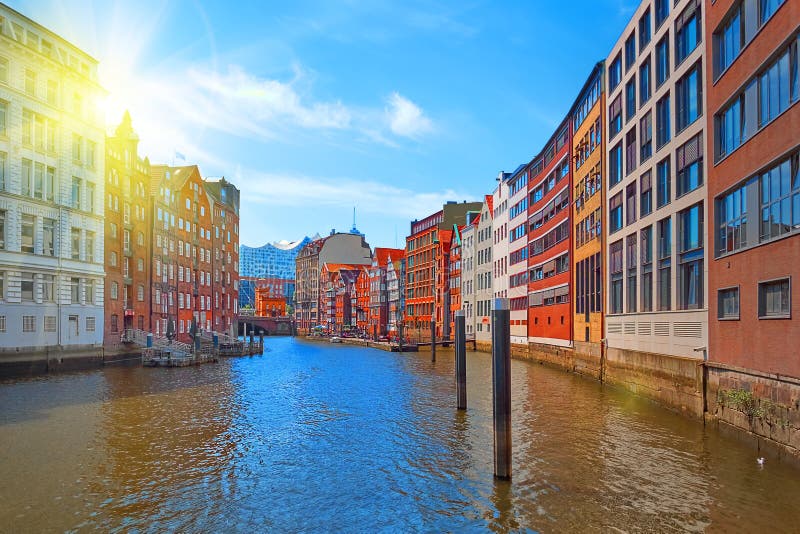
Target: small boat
{"x":336,"y":339}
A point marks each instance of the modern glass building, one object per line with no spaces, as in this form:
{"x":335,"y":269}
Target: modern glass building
{"x":271,"y":261}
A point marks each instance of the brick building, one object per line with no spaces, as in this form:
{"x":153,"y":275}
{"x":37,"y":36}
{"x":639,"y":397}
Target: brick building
{"x":224,"y":199}
{"x":128,"y":231}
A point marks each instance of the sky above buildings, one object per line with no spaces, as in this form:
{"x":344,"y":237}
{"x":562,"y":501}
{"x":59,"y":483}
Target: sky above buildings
{"x":313,"y":108}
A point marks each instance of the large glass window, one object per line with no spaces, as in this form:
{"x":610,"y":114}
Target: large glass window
{"x":48,"y":237}
{"x":614,"y":73}
{"x":688,"y":31}
{"x":615,"y":117}
{"x":615,"y":268}
{"x":689,"y":163}
{"x":615,"y":213}
{"x":774,"y":89}
{"x":690,"y":257}
{"x":662,"y":11}
{"x":630,"y":51}
{"x":729,"y":40}
{"x":663,"y":129}
{"x":646,"y":250}
{"x":630,"y":203}
{"x":766,"y":8}
{"x":645,"y":31}
{"x":630,"y":99}
{"x":646,"y":137}
{"x":731,"y":212}
{"x":644,"y":82}
{"x":730,"y":127}
{"x":615,"y":165}
{"x":688,"y":98}
{"x":780,"y":199}
{"x":665,"y":264}
{"x":645,"y":194}
{"x":631,"y":149}
{"x":775,"y":299}
{"x":663,"y":183}
{"x":662,"y":60}
{"x":631,"y":255}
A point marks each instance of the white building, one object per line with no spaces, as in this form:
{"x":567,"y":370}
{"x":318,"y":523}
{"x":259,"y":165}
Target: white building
{"x":500,"y":237}
{"x":51,"y":190}
{"x":518,"y":254}
{"x":483,"y":273}
{"x":468,"y":275}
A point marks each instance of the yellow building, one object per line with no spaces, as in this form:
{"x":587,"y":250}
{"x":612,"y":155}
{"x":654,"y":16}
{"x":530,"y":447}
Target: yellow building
{"x":588,"y":126}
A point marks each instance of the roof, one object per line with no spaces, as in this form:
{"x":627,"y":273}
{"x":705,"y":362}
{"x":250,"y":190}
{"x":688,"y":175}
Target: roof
{"x":383,"y":255}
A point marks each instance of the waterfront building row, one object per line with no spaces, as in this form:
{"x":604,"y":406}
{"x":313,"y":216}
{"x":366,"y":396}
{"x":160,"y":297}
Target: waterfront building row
{"x":83,"y":254}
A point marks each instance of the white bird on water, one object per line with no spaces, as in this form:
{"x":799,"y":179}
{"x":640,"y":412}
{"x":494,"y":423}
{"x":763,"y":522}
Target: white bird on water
{"x":760,"y":461}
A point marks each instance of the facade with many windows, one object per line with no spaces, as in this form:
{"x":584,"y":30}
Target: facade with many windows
{"x":517,"y":256}
{"x":655,"y":255}
{"x":51,"y":190}
{"x":754,"y":183}
{"x":589,"y":194}
{"x":128,"y":231}
{"x":549,"y":243}
{"x":483,"y":273}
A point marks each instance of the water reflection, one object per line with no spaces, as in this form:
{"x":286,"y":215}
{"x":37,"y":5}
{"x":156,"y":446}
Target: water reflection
{"x":331,"y":438}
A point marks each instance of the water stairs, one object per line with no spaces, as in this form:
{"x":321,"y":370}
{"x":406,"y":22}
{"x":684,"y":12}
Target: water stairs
{"x":159,"y":351}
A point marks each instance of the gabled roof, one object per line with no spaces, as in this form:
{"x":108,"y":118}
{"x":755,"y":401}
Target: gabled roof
{"x":383,"y":255}
{"x":489,"y":199}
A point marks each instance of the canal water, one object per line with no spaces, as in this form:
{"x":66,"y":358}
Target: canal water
{"x":319,"y":437}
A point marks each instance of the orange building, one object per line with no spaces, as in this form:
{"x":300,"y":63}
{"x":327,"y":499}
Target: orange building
{"x":268,"y":305}
{"x":455,"y":276}
{"x":225,"y":255}
{"x":378,"y":299}
{"x":362,"y":311}
{"x":338,"y":295}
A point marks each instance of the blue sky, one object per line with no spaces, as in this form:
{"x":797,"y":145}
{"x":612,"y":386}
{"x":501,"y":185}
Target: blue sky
{"x":314,"y":107}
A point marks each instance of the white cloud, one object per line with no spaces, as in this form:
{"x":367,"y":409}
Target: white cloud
{"x":287,"y":190}
{"x":406,"y":118}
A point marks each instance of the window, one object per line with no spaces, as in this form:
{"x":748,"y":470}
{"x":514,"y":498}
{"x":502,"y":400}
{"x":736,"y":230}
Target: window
{"x":766,"y":8}
{"x":50,"y":323}
{"x":630,"y":51}
{"x":630,"y":151}
{"x":730,"y":127}
{"x":26,"y":186}
{"x":75,"y":239}
{"x":140,"y":293}
{"x":614,"y":73}
{"x":690,"y":258}
{"x":688,"y":98}
{"x":645,"y":195}
{"x":115,"y":323}
{"x":663,"y":130}
{"x":688,"y":31}
{"x":689,"y":162}
{"x":3,"y":70}
{"x":48,"y":237}
{"x":645,"y":32}
{"x":615,"y":165}
{"x":646,"y":133}
{"x":2,"y":233}
{"x":76,"y":192}
{"x":89,"y":246}
{"x":91,"y":148}
{"x":30,"y":82}
{"x":27,"y":233}
{"x":52,"y":92}
{"x":663,"y":183}
{"x":731,"y":214}
{"x":662,"y":60}
{"x":662,"y":11}
{"x":664,"y":264}
{"x":774,"y":89}
{"x":630,"y":203}
{"x":646,"y":256}
{"x":48,"y":288}
{"x":728,"y":41}
{"x":90,"y":324}
{"x":780,"y":199}
{"x":644,"y":82}
{"x":29,"y":323}
{"x":26,"y":287}
{"x":630,"y":99}
{"x":3,"y":116}
{"x":615,"y":213}
{"x":630,"y":253}
{"x":113,"y":230}
{"x":89,"y":292}
{"x":114,"y":290}
{"x":90,"y":197}
{"x":615,"y":112}
{"x":774,"y":299}
{"x":728,"y":303}
{"x":615,"y":268}
{"x":76,"y":147}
